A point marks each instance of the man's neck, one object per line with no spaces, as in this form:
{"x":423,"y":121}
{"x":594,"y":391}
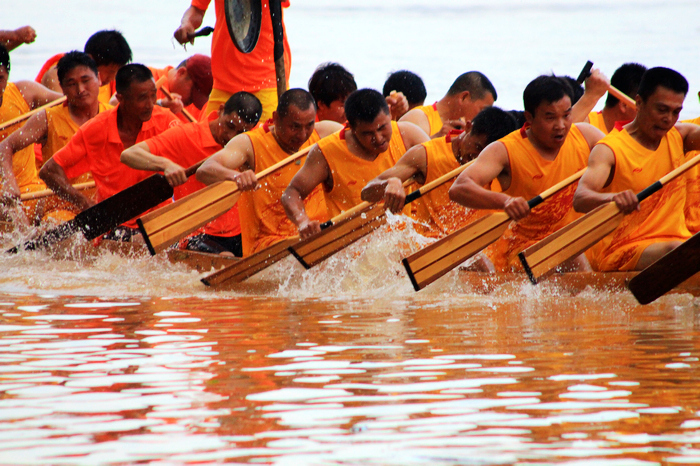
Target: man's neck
{"x":546,"y":152}
{"x":356,"y":149}
{"x":129,"y":128}
{"x":284,"y":147}
{"x":455,"y":150}
{"x":636,"y":131}
{"x":81,"y":114}
{"x":448,"y":108}
{"x":612,"y":116}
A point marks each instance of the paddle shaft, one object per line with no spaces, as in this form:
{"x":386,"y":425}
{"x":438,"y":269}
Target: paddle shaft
{"x":187,"y":114}
{"x":49,"y":192}
{"x":586,"y":72}
{"x":27,"y":115}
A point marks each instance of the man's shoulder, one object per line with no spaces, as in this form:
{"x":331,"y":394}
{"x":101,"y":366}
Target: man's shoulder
{"x":98,"y":123}
{"x":163,"y":118}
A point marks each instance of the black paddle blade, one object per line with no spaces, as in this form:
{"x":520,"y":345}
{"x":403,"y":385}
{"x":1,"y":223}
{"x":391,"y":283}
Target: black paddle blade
{"x":108,"y":214}
{"x":668,"y":272}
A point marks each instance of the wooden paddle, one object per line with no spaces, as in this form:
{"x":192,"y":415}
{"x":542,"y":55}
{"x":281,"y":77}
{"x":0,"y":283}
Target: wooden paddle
{"x":110,"y":213}
{"x":278,"y":51}
{"x":435,"y":260}
{"x":167,"y":225}
{"x":28,"y":115}
{"x":667,"y":272}
{"x":167,"y":93}
{"x":586,"y":72}
{"x":340,"y":235}
{"x":48,"y":192}
{"x":570,"y":241}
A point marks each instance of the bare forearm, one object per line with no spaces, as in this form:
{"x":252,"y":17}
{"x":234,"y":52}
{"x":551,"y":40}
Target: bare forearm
{"x":56,"y":179}
{"x":193,"y":17}
{"x":140,"y":159}
{"x":587,"y":199}
{"x":10,"y":188}
{"x":469,"y":194}
{"x":212,"y":172}
{"x":293,"y":205}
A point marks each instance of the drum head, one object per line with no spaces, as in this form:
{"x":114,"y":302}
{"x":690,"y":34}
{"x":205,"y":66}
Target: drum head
{"x":243,"y":19}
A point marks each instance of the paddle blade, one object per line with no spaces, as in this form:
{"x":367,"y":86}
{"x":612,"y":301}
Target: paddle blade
{"x":337,"y":237}
{"x":249,"y":266}
{"x":668,"y":272}
{"x":543,"y":257}
{"x":435,"y":260}
{"x":52,"y":236}
{"x":166,"y":226}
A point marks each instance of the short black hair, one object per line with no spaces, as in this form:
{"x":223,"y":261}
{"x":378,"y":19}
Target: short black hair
{"x":246,"y":105}
{"x":626,"y":78}
{"x":4,"y":58}
{"x":408,"y":83}
{"x":108,"y":48}
{"x":364,"y":105}
{"x":331,"y":82}
{"x":73,"y":60}
{"x":576,"y":88}
{"x":476,"y":83}
{"x":665,"y":77}
{"x":493,"y":122}
{"x":546,"y":88}
{"x":128,"y":74}
{"x":298,"y":97}
{"x":519,"y":117}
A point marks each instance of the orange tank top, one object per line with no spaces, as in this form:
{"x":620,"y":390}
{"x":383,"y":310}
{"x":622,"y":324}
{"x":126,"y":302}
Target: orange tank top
{"x":530,"y":175}
{"x":434,"y":119}
{"x":436,"y":213}
{"x":61,"y":128}
{"x":660,"y":217}
{"x":596,"y":119}
{"x":351,"y":173}
{"x":692,"y":213}
{"x":23,"y":163}
{"x":263,"y":219}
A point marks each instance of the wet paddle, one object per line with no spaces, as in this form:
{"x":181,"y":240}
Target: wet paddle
{"x":167,"y":225}
{"x":340,"y":235}
{"x":435,"y":260}
{"x":110,"y":213}
{"x":570,"y":241}
{"x":668,"y":272}
{"x":28,"y":115}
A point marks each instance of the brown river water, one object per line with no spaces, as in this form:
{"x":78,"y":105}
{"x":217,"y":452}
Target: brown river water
{"x":124,"y":361}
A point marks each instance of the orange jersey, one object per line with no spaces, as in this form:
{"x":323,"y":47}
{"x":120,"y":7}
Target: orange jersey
{"x":191,"y":108}
{"x":692,"y":201}
{"x":186,"y":145}
{"x":660,"y":217}
{"x":434,"y":119}
{"x":596,"y":119}
{"x":23,"y":163}
{"x":263,"y":219}
{"x":61,"y":128}
{"x":436,"y":213}
{"x":97,"y":147}
{"x":234,"y":71}
{"x":530,"y":175}
{"x":350,"y":173}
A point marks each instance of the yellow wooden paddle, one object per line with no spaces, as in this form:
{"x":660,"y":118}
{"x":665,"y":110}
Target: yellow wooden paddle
{"x":48,"y":192}
{"x":28,"y":115}
{"x":570,"y":241}
{"x":167,"y":225}
{"x":435,"y":260}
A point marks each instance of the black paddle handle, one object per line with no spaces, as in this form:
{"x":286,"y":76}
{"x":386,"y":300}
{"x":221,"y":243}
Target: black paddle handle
{"x":205,"y":31}
{"x":193,"y":169}
{"x":649,"y":190}
{"x":585,"y":72}
{"x":535,"y":201}
{"x":413,"y":196}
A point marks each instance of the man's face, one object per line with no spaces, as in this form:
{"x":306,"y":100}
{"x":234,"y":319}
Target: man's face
{"x":472,"y":107}
{"x":182,"y":85}
{"x":107,"y":73}
{"x":374,"y":137}
{"x":229,"y":126}
{"x":81,"y":86}
{"x":4,"y":79}
{"x":295,"y":128}
{"x":470,"y":145}
{"x":138,"y":101}
{"x":551,"y":123}
{"x":660,"y":112}
{"x":333,"y":112}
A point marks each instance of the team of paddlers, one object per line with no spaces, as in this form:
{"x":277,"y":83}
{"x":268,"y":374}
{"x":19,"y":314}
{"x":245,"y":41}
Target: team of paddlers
{"x":121,"y":122}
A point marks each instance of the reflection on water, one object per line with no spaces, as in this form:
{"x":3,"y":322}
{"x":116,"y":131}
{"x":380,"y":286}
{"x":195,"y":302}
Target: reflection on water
{"x":400,"y":380}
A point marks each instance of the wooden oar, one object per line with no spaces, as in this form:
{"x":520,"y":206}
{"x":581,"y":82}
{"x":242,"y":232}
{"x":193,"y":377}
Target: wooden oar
{"x":167,"y":93}
{"x":435,"y":260}
{"x":48,"y":192}
{"x":28,"y":115}
{"x":570,"y":241}
{"x":338,"y":236}
{"x":167,"y":225}
{"x":667,"y":272}
{"x":110,"y":213}
{"x":586,"y":72}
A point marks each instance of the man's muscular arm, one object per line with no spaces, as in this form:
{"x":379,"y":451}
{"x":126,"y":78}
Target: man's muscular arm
{"x":55,"y":178}
{"x":35,"y":94}
{"x":226,"y":165}
{"x":139,"y":157}
{"x":389,"y":185}
{"x":601,"y":166}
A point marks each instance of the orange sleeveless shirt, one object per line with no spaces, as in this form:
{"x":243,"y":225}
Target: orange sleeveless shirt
{"x":660,"y":217}
{"x":596,"y":119}
{"x":692,"y":201}
{"x":434,"y":119}
{"x":530,"y":175}
{"x":351,"y":173}
{"x":263,"y":219}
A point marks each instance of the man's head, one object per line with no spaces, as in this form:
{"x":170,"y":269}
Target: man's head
{"x":194,"y":80}
{"x":330,"y":85}
{"x":489,"y":125}
{"x":660,"y":100}
{"x":78,"y":77}
{"x":626,"y":78}
{"x":136,"y":91}
{"x":239,"y":114}
{"x":369,"y":119}
{"x":110,"y":51}
{"x":577,"y":89}
{"x":294,"y":119}
{"x":474,"y":92}
{"x":547,"y":102}
{"x":410,"y":84}
{"x":4,"y":70}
